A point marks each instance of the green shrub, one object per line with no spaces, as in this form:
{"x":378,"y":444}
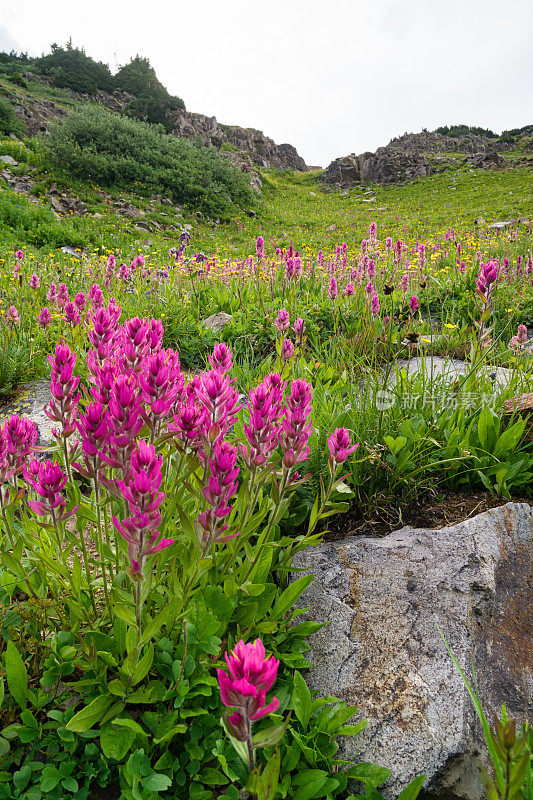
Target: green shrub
{"x":152,"y":101}
{"x":9,"y":122}
{"x":71,"y":68}
{"x":114,"y":151}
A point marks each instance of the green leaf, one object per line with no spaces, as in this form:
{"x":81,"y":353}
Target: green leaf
{"x":269,"y":778}
{"x":366,"y":772}
{"x":21,"y":778}
{"x":157,"y":782}
{"x":411,"y":791}
{"x":301,"y":700}
{"x":270,"y":736}
{"x":1,"y":691}
{"x":70,"y":784}
{"x":290,"y":595}
{"x":124,"y":613}
{"x":17,"y":677}
{"x":116,"y":740}
{"x":50,"y":777}
{"x":309,"y":783}
{"x":132,"y":725}
{"x":143,"y":667}
{"x":154,"y":626}
{"x":90,"y":715}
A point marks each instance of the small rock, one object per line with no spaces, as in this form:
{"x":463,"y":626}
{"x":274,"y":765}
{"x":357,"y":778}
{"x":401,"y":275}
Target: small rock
{"x":9,"y":160}
{"x":332,"y":228}
{"x":217,"y":322}
{"x":70,"y":251}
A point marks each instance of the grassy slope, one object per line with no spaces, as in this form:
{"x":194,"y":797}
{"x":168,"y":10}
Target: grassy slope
{"x":294,"y":208}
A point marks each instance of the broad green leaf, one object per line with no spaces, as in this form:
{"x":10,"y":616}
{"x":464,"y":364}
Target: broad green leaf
{"x":412,"y":791}
{"x":301,"y":700}
{"x":157,"y":782}
{"x":16,"y":675}
{"x":124,"y":613}
{"x":290,"y":595}
{"x":366,"y":772}
{"x":91,"y":714}
{"x":116,"y":740}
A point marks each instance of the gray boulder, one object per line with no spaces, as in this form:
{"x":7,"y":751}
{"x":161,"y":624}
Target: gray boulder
{"x":383,"y":599}
{"x":343,"y":172}
{"x":217,"y":322}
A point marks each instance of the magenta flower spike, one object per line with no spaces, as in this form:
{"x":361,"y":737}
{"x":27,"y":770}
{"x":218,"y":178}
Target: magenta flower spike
{"x":340,"y":447}
{"x":282,"y":321}
{"x":299,"y":327}
{"x":140,"y":489}
{"x":220,"y":488}
{"x":296,"y":425}
{"x":287,"y":350}
{"x":20,"y":436}
{"x":413,"y":303}
{"x":48,"y":480}
{"x":251,"y":676}
{"x":333,"y":290}
{"x":45,"y":318}
{"x":222,"y":358}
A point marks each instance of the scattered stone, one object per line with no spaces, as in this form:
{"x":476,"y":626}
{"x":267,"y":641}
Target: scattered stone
{"x":70,"y":251}
{"x":126,"y":209}
{"x":19,"y":183}
{"x":9,"y":160}
{"x":312,"y":194}
{"x":382,"y":651}
{"x":447,"y":370}
{"x":332,"y":228}
{"x":217,"y":322}
{"x":489,"y":160}
{"x":64,"y":203}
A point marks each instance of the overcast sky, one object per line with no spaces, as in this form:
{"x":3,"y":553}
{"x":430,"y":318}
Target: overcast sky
{"x":329,"y":76}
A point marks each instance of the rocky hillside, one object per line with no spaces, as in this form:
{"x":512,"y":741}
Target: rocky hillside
{"x":415,"y":155}
{"x":245,"y":147}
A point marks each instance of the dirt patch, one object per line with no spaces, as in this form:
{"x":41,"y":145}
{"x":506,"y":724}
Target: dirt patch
{"x":433,"y":511}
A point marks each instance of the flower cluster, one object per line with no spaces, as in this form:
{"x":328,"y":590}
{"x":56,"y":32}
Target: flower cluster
{"x":251,"y":676}
{"x":221,"y":487}
{"x":63,"y":407}
{"x":297,"y":424}
{"x":48,"y":480}
{"x":141,"y":492}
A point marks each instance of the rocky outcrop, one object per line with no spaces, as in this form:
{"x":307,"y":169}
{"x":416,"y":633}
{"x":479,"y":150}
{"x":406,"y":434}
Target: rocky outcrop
{"x":383,"y":600}
{"x":247,"y":148}
{"x":343,"y":172}
{"x":412,"y":156}
{"x":262,"y":150}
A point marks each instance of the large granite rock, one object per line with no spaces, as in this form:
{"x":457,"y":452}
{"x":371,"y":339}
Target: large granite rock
{"x":383,"y":599}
